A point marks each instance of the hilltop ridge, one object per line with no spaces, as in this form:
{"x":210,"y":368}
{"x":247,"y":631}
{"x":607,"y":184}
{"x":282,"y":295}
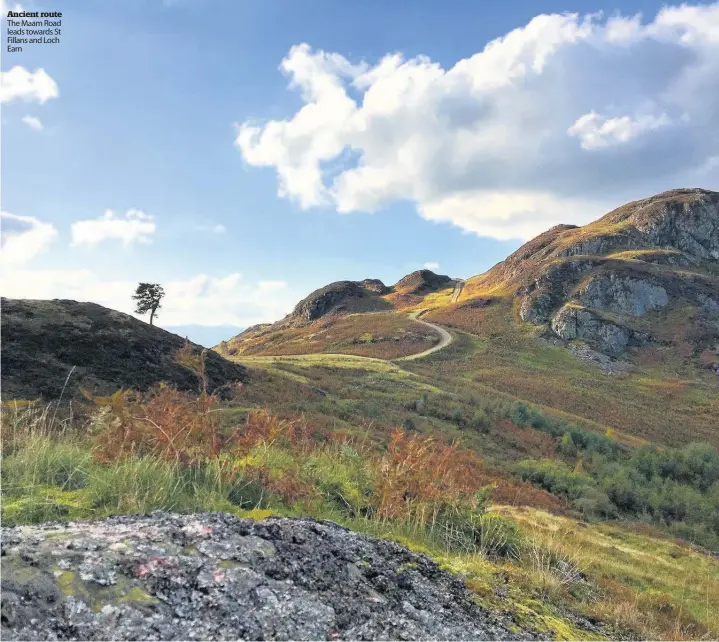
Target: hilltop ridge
{"x":618,"y":283}
{"x":43,"y":340}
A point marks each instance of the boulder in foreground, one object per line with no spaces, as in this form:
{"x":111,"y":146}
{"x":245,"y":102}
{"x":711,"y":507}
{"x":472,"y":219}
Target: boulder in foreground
{"x":213,"y":576}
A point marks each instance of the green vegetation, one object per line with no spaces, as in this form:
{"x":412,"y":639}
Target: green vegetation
{"x":148,"y":297}
{"x":432,"y":496}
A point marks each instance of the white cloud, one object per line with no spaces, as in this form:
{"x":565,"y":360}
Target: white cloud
{"x":526,"y":133}
{"x":22,"y":238}
{"x":595,"y":131}
{"x":431,"y":265}
{"x":33,"y":123}
{"x":19,"y":83}
{"x":199,"y":300}
{"x":134,"y":227}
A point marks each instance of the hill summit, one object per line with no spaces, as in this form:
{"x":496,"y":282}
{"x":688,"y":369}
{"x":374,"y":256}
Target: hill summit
{"x":43,"y":340}
{"x":599,"y":282}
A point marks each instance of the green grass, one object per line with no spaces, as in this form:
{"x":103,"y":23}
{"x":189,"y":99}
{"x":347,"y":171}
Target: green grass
{"x":638,"y":584}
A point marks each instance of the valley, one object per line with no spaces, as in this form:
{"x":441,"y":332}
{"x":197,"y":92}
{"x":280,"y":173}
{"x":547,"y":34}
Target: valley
{"x":547,"y":431}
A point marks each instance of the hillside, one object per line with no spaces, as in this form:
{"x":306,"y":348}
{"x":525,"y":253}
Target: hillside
{"x":333,"y":319}
{"x":615,"y":283}
{"x":43,"y":340}
{"x":625,"y":308}
{"x":571,"y":482}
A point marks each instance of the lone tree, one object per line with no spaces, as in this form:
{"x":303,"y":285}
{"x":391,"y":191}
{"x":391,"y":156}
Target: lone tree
{"x":148,"y":297}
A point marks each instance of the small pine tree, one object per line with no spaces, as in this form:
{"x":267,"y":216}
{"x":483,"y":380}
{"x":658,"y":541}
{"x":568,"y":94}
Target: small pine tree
{"x":567,"y":445}
{"x":148,"y":297}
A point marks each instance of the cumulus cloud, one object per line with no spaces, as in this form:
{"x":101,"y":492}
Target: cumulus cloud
{"x":134,"y":227}
{"x":431,"y":265}
{"x":199,"y":300}
{"x":22,"y":238}
{"x":33,"y":123}
{"x":30,"y":86}
{"x":595,"y":132}
{"x":556,"y":121}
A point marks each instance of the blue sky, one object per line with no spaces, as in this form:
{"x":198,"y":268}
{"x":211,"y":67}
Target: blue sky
{"x":242,"y":186}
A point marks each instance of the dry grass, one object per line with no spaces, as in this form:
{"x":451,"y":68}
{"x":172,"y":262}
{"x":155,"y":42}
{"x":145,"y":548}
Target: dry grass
{"x":651,"y":402}
{"x":382,"y":335}
{"x":651,"y":587}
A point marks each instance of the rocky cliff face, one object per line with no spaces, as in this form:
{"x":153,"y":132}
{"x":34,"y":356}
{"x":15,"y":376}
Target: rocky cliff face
{"x":43,"y":340}
{"x":609,"y":282}
{"x":216,"y":577}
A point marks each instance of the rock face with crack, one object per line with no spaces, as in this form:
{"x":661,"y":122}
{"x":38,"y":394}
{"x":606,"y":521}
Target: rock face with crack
{"x":215,"y":577}
{"x":602,"y":283}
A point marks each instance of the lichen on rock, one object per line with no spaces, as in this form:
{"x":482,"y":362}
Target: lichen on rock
{"x":213,"y":576}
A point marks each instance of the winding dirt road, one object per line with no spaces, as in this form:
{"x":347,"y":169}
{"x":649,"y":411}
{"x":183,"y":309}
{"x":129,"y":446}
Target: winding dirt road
{"x":445,"y":337}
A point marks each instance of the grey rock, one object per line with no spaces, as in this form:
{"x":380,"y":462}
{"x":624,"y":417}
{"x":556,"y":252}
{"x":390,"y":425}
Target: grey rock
{"x":622,"y":294}
{"x":576,"y":322}
{"x":607,"y":364}
{"x":215,"y":577}
{"x":536,"y":307}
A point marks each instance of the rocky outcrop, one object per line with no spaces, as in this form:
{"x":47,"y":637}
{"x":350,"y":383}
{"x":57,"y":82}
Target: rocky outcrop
{"x":43,"y":340}
{"x":638,"y":259}
{"x":341,"y":296}
{"x":421,"y":282}
{"x":575,"y":322}
{"x":622,"y":294}
{"x":215,"y":577}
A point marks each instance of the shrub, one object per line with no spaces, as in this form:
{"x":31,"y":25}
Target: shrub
{"x":457,"y":416}
{"x":520,"y":414}
{"x":480,"y":420}
{"x":567,"y":445}
{"x":468,"y":529}
{"x":555,"y":476}
{"x":420,"y":476}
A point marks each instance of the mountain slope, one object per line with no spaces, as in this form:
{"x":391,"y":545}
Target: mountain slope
{"x":625,"y":308}
{"x":43,"y":340}
{"x":602,"y":282}
{"x":646,"y":274}
{"x":350,"y":317}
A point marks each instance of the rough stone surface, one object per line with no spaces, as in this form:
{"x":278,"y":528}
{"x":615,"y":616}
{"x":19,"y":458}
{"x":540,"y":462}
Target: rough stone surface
{"x":622,"y":294}
{"x":215,"y":577}
{"x":594,"y":282}
{"x":575,"y":322}
{"x":607,"y":364}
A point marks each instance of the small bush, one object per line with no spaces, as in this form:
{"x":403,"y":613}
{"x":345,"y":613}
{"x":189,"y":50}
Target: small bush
{"x":520,"y":414}
{"x":480,"y":420}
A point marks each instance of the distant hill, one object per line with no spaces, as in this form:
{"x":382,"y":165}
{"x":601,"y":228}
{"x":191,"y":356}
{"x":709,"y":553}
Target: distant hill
{"x":646,"y":274}
{"x":334,"y":306}
{"x":43,"y":340}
